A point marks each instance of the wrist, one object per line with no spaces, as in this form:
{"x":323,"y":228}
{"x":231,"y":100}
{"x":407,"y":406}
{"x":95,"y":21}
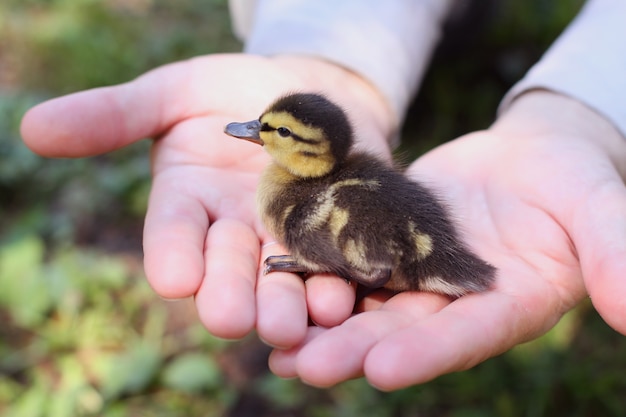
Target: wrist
{"x":374,"y":121}
{"x":543,"y":114}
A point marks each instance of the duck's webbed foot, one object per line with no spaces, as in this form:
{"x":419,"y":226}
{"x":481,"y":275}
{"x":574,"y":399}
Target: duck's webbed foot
{"x":286,"y":263}
{"x":283,"y":263}
{"x":373,"y":279}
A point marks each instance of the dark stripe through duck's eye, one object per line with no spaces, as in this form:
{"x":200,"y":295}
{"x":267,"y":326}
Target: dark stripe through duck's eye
{"x":284,"y":132}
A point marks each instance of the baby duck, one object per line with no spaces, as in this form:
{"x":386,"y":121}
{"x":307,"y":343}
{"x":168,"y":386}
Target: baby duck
{"x":349,"y":213}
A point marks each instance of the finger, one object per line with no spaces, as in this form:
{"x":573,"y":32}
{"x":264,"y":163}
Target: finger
{"x":175,"y":229}
{"x":225,"y":300}
{"x":599,"y":234}
{"x":282,"y":361}
{"x":282,"y":317}
{"x":338,"y":354}
{"x":103,"y":119}
{"x":330,"y":299}
{"x":467,"y":332}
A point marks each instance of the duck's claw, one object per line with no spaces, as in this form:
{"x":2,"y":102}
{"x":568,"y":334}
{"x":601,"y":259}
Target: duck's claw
{"x":283,"y":263}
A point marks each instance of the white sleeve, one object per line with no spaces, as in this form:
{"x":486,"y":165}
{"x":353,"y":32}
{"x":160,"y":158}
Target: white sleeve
{"x":587,"y":62}
{"x":389,"y":43}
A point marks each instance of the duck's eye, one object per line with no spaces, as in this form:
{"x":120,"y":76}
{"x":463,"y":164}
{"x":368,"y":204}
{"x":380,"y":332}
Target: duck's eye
{"x":284,"y":132}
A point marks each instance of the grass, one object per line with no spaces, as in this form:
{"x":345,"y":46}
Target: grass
{"x":84,"y":335}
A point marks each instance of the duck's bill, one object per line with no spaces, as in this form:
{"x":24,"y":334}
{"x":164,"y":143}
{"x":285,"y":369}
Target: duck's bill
{"x":246,"y":130}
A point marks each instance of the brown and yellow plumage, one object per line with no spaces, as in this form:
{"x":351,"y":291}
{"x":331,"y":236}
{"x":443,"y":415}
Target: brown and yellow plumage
{"x":349,"y":213}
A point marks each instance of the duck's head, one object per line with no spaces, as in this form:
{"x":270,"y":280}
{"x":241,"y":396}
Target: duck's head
{"x":306,"y":134}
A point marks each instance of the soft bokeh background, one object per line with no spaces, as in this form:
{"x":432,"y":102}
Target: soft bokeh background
{"x":82,"y":334}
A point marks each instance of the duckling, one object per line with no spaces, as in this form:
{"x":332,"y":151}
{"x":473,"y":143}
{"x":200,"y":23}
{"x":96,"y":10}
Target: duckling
{"x":347,"y":212}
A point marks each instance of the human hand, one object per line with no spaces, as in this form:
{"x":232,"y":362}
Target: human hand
{"x":541,"y":196}
{"x":202,"y":236}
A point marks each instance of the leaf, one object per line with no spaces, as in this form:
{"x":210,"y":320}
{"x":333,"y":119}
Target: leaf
{"x":132,"y":371}
{"x":192,"y":372}
{"x":24,"y":291}
{"x":33,"y":401}
{"x":74,"y":394}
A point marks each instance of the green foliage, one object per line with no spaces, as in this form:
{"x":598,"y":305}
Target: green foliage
{"x":83,"y":332}
{"x":20,"y":270}
{"x":192,"y":372}
{"x":68,"y":45}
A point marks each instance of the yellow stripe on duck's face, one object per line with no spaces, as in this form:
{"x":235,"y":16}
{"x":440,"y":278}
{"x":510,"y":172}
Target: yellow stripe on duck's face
{"x":302,"y":149}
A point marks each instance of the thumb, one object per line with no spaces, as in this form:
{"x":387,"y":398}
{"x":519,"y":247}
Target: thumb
{"x":103,"y":119}
{"x":599,"y":234}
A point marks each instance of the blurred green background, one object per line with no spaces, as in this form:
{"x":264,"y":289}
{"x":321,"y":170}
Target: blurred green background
{"x":82,"y":333}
